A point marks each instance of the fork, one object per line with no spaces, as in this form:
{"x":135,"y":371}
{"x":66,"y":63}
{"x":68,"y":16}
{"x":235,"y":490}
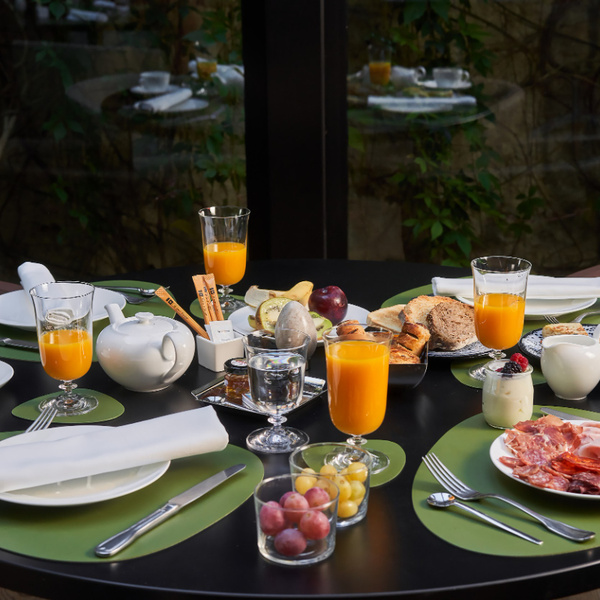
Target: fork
{"x":577,"y":319}
{"x":462,"y":491}
{"x":43,"y":420}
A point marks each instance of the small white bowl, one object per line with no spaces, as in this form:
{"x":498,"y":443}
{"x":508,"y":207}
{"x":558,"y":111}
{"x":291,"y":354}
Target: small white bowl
{"x":213,"y":356}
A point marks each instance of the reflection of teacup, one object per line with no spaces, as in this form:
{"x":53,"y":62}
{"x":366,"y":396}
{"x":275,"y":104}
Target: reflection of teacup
{"x":155,"y":81}
{"x":402,"y":76}
{"x":450,"y":77}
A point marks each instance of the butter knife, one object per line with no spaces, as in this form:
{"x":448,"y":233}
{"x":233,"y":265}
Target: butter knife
{"x":121,"y":540}
{"x":563,"y":415}
{"x":24,"y":344}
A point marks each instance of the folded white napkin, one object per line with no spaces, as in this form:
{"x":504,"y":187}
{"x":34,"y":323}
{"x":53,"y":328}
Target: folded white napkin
{"x":163,"y":102}
{"x":32,"y":463}
{"x":538,"y":287}
{"x":88,"y":16}
{"x":418,"y":101}
{"x":32,"y":274}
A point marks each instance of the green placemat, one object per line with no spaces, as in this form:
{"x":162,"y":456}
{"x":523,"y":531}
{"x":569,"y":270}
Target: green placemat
{"x":71,"y":533}
{"x":108,"y":408}
{"x":153,"y":305}
{"x":460,"y":370}
{"x":465,"y":451}
{"x":197,"y":311}
{"x":397,"y":460}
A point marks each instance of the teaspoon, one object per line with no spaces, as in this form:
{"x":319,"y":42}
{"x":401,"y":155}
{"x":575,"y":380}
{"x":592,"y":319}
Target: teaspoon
{"x":444,"y":500}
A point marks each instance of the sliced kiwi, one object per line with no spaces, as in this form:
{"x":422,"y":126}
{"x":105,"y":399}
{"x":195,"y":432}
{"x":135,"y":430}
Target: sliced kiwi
{"x":321,"y":323}
{"x":268,"y":312}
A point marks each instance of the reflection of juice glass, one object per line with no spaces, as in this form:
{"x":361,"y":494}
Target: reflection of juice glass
{"x":357,"y":381}
{"x":205,"y":67}
{"x":226,"y":260}
{"x":64,"y":321}
{"x":66,"y":353}
{"x":499,"y":290}
{"x":380,"y":65}
{"x":224,"y":242}
{"x":499,"y":319}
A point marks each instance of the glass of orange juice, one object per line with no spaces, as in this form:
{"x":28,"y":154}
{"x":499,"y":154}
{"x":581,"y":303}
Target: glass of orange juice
{"x":224,"y":243}
{"x":380,"y":64}
{"x":499,"y":290}
{"x":358,"y":365}
{"x":63,"y":315}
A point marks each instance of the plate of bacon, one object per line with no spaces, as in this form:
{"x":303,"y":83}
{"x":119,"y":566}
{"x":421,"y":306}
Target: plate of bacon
{"x":561,"y":457}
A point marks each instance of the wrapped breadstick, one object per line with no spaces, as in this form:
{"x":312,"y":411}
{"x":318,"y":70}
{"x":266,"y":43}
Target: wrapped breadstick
{"x":167,"y":299}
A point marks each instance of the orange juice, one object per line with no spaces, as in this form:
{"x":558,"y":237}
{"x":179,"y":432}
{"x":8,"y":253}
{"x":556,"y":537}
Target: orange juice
{"x":205,"y":68}
{"x":499,"y":320}
{"x":379,"y":72}
{"x":226,"y":260}
{"x":66,"y":353}
{"x":357,"y":381}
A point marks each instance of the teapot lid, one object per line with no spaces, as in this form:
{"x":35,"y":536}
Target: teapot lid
{"x":145,"y":324}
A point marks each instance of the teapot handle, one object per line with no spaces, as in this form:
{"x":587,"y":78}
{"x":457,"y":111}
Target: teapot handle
{"x":169,"y":352}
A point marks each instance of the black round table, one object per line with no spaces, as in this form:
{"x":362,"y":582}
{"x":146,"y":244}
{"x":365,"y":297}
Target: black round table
{"x":390,"y":554}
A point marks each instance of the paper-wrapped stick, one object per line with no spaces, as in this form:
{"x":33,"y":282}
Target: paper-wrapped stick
{"x":167,"y":299}
{"x":204,"y":299}
{"x":209,"y":279}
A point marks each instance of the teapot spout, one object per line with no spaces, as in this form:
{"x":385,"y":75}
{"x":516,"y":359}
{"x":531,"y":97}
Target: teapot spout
{"x":115,"y":314}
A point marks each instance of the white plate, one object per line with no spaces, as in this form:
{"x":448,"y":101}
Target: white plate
{"x":536,"y":308}
{"x":498,"y":449}
{"x":16,"y":308}
{"x":531,"y":343}
{"x":432,"y":85}
{"x":412,"y":105}
{"x":239,"y":318}
{"x":6,"y":373}
{"x":140,"y":91}
{"x":84,"y":490}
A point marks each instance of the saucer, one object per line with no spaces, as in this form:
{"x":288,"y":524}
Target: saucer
{"x":141,"y":91}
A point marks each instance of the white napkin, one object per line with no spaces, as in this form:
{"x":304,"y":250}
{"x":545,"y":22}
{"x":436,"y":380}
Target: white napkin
{"x":163,"y":102}
{"x":88,"y":16}
{"x":174,"y":436}
{"x":418,"y":101}
{"x":538,"y":286}
{"x":32,"y":274}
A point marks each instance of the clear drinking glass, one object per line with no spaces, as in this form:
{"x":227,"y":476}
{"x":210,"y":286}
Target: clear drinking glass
{"x":358,"y":365}
{"x":224,"y":244}
{"x":499,"y":290}
{"x":276,"y":377}
{"x":64,"y":323}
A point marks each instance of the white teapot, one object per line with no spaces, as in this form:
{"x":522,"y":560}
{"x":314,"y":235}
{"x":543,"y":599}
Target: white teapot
{"x":571,"y":365}
{"x":145,"y":353}
{"x":404,"y":77}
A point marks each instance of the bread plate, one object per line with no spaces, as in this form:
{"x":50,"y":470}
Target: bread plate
{"x":409,"y":375}
{"x":531,"y":343}
{"x":471,"y":351}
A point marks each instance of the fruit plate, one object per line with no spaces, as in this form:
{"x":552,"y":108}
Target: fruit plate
{"x":214,"y":393}
{"x":239,"y":318}
{"x":409,"y":375}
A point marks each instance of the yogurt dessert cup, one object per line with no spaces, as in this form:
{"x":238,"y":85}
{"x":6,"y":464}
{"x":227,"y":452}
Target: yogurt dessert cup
{"x":507,"y":396}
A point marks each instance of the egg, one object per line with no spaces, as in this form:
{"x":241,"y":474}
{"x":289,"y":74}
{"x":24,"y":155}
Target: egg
{"x":295,"y":316}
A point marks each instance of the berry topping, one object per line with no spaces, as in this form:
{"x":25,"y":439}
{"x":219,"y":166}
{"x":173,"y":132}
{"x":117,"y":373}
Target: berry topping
{"x":520,"y":360}
{"x":511,"y":367}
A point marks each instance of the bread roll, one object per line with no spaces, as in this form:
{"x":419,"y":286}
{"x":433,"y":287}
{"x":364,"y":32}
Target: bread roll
{"x":451,"y":325}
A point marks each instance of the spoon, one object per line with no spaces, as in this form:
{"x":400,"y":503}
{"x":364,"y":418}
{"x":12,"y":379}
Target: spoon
{"x":444,"y":500}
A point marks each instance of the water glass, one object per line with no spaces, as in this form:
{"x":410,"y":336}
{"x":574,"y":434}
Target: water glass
{"x":295,"y":528}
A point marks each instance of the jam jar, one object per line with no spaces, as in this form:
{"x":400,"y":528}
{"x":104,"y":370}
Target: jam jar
{"x":236,"y":378}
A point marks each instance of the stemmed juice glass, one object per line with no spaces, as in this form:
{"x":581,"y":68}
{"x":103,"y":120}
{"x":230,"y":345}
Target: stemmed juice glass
{"x":499,"y":290}
{"x":276,"y":377}
{"x":64,"y":323}
{"x":224,"y":243}
{"x":358,"y":364}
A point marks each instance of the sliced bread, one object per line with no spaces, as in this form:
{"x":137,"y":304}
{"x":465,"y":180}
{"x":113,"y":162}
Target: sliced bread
{"x":387,"y":317}
{"x":563,"y":329}
{"x":418,"y":308}
{"x":451,"y":325}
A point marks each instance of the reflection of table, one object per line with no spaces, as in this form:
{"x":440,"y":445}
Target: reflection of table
{"x":490,"y":95}
{"x":390,"y":553}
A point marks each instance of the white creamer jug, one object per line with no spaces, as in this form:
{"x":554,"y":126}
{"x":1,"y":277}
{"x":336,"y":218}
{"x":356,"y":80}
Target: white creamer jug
{"x":145,"y":353}
{"x":571,"y":365}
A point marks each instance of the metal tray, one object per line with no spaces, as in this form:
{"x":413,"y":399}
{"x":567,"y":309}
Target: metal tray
{"x":214,"y":393}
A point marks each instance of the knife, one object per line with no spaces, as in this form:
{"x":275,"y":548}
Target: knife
{"x":564,"y":415}
{"x":121,"y":540}
{"x":19,"y":343}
